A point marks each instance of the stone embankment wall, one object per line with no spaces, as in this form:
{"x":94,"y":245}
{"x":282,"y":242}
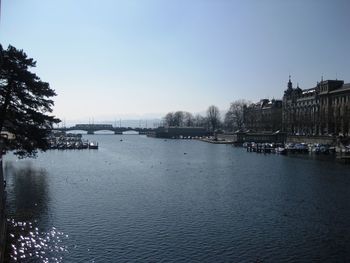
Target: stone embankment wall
{"x":312,"y":139}
{"x":226,"y":137}
{"x":293,"y":139}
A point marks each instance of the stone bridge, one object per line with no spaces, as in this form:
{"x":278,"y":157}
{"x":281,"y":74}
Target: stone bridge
{"x":92,"y":128}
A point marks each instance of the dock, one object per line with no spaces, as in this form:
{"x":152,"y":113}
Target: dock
{"x":66,"y":141}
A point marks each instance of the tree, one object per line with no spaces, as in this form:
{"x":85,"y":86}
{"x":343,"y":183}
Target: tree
{"x":179,"y":118}
{"x":228,"y":121}
{"x":174,"y":119}
{"x":169,"y":119}
{"x":188,"y":119}
{"x":25,"y":104}
{"x":200,"y":121}
{"x":234,"y":118}
{"x":213,"y":116}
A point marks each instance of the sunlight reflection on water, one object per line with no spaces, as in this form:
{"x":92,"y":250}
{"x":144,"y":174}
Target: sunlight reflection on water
{"x":29,"y":244}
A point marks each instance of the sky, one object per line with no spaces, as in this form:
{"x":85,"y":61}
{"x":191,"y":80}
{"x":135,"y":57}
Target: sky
{"x":129,"y":59}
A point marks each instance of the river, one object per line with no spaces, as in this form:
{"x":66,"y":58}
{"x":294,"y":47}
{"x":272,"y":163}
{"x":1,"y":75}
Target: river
{"x":139,"y":199}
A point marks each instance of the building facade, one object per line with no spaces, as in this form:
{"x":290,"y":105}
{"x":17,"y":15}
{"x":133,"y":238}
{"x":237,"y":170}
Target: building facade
{"x":321,"y":110}
{"x":264,"y":116}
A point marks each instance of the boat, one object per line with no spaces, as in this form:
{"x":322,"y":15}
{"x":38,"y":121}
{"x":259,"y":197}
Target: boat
{"x":323,"y":148}
{"x":247,"y":144}
{"x":281,"y":150}
{"x":85,"y":145}
{"x":297,"y":148}
{"x":93,"y":145}
{"x":301,"y":148}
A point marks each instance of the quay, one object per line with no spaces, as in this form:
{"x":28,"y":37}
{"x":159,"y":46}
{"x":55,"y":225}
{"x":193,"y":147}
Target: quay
{"x":179,"y":132}
{"x":214,"y":141}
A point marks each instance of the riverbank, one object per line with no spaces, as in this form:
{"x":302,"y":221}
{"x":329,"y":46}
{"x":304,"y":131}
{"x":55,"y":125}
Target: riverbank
{"x":209,"y":140}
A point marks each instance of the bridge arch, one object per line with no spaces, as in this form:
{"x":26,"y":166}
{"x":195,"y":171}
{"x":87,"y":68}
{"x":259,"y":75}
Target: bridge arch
{"x":130,"y":132}
{"x":74,"y":131}
{"x":104,"y":132}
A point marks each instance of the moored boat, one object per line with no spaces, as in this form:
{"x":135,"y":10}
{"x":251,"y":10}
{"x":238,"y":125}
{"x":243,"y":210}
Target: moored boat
{"x":93,"y":145}
{"x":281,"y":150}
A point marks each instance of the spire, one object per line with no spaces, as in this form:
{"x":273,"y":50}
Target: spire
{"x":290,"y":84}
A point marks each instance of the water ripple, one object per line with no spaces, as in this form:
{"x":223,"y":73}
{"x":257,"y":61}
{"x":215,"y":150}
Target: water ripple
{"x":29,"y":244}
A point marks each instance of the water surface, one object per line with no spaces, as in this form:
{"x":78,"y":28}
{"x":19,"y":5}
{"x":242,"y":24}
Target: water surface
{"x":153,"y":200}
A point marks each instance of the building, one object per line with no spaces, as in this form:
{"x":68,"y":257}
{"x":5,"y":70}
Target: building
{"x":264,"y":116}
{"x":321,"y":110}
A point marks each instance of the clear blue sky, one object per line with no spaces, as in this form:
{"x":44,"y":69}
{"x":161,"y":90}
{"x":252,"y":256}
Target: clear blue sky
{"x":120,"y":59}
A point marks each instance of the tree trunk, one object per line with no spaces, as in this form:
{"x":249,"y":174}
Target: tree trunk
{"x":4,"y":108}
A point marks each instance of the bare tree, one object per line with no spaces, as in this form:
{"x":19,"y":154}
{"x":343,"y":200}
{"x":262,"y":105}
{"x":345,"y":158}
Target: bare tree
{"x":200,"y":121}
{"x":234,"y":117}
{"x":169,"y":119}
{"x":213,"y":116}
{"x":229,"y":121}
{"x":179,"y":119}
{"x":188,"y":119}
